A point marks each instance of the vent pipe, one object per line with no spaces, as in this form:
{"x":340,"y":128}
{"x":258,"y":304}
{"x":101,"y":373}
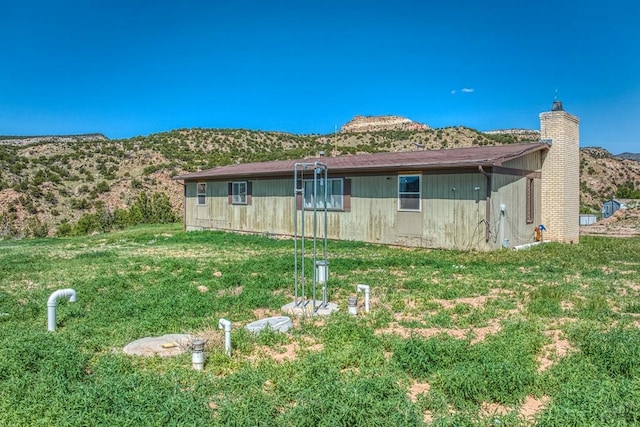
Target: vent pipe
{"x":52,"y":302}
{"x":226,"y":325}
{"x":365,"y":288}
{"x":197,"y":354}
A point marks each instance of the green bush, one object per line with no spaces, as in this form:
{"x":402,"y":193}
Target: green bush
{"x":102,"y":187}
{"x":64,"y":229}
{"x":36,"y":228}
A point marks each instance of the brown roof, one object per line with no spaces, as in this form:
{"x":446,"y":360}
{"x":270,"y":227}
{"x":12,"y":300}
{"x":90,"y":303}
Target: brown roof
{"x":450,"y":158}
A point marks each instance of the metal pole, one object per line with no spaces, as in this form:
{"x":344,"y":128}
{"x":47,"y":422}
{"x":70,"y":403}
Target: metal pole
{"x":315,"y":230}
{"x":324,"y":249}
{"x":295,"y":232}
{"x":302,"y":239}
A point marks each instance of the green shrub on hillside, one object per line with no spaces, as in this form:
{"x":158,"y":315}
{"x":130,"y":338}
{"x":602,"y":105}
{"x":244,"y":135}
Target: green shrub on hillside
{"x":145,"y":210}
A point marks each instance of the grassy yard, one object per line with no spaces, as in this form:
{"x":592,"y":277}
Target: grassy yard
{"x":548,"y":336}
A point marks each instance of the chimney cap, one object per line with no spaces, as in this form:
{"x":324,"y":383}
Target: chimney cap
{"x":557,"y":106}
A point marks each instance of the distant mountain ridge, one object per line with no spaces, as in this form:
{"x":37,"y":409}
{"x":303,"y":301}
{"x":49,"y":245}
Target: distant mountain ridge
{"x":59,"y":179}
{"x":28,"y":140}
{"x":629,"y":156}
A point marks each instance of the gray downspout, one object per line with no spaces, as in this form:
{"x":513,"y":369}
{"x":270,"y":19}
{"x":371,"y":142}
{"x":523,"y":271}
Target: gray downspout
{"x":487,"y":213}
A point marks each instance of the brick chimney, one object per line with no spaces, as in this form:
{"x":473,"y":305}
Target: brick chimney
{"x":561,"y":175}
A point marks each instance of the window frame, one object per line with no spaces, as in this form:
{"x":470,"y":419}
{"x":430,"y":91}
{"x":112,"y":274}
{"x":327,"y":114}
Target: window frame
{"x":201,"y":196}
{"x":530,"y":201}
{"x":418,"y":192}
{"x":330,"y":182}
{"x":237,"y":197}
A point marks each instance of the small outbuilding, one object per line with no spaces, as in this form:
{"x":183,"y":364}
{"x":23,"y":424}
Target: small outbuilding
{"x":611,"y":206}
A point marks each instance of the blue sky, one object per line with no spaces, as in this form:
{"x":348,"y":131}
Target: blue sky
{"x":132,"y":67}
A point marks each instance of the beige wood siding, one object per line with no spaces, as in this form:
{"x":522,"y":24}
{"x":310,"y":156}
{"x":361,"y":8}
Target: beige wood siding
{"x":453,"y":210}
{"x":511,"y":225}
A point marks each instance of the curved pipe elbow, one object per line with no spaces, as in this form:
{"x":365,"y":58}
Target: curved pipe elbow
{"x":362,"y":288}
{"x":52,"y":302}
{"x":62,"y":293}
{"x":225,"y":324}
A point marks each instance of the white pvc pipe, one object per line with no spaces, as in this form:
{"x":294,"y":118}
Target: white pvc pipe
{"x":526,"y":246}
{"x":52,"y":302}
{"x":365,"y":288}
{"x":226,"y":325}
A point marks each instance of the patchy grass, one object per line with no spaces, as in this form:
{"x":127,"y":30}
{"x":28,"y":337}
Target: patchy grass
{"x":547,"y":336}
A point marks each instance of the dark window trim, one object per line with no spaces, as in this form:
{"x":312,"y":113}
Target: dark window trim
{"x":346,"y":196}
{"x":201,"y":197}
{"x":248,"y":197}
{"x":530,"y":200}
{"x":419,"y":192}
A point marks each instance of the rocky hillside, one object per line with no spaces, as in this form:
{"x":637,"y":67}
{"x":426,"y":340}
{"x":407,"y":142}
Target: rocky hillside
{"x":57,"y":180}
{"x":30,"y":140}
{"x":604,"y":176}
{"x":525,"y":134}
{"x":381,"y":123}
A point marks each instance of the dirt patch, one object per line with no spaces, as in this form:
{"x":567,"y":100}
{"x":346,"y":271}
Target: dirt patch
{"x":282,"y":353}
{"x":529,"y":409}
{"x":532,"y":406}
{"x":417,"y":389}
{"x":489,"y":409}
{"x":230,"y":291}
{"x":554,"y":351}
{"x":286,"y":352}
{"x":474,"y":302}
{"x":262,"y":313}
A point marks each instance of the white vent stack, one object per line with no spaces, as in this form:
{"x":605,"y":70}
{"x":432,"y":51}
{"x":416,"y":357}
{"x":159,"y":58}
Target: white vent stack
{"x":365,"y":289}
{"x":226,"y":325}
{"x":52,"y":302}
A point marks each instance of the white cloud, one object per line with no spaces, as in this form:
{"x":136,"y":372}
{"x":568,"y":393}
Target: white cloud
{"x":463,"y":90}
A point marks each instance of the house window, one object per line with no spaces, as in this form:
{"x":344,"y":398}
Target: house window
{"x":316,"y":196}
{"x":239,"y":193}
{"x":409,"y":192}
{"x":530,"y":201}
{"x":202,"y":193}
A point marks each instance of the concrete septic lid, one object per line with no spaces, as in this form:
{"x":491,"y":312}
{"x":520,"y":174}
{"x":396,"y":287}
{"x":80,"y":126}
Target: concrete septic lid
{"x":278,"y":323}
{"x":307,"y":309}
{"x":164,"y":346}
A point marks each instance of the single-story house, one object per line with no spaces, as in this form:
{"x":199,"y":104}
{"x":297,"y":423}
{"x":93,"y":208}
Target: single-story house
{"x":475,"y":198}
